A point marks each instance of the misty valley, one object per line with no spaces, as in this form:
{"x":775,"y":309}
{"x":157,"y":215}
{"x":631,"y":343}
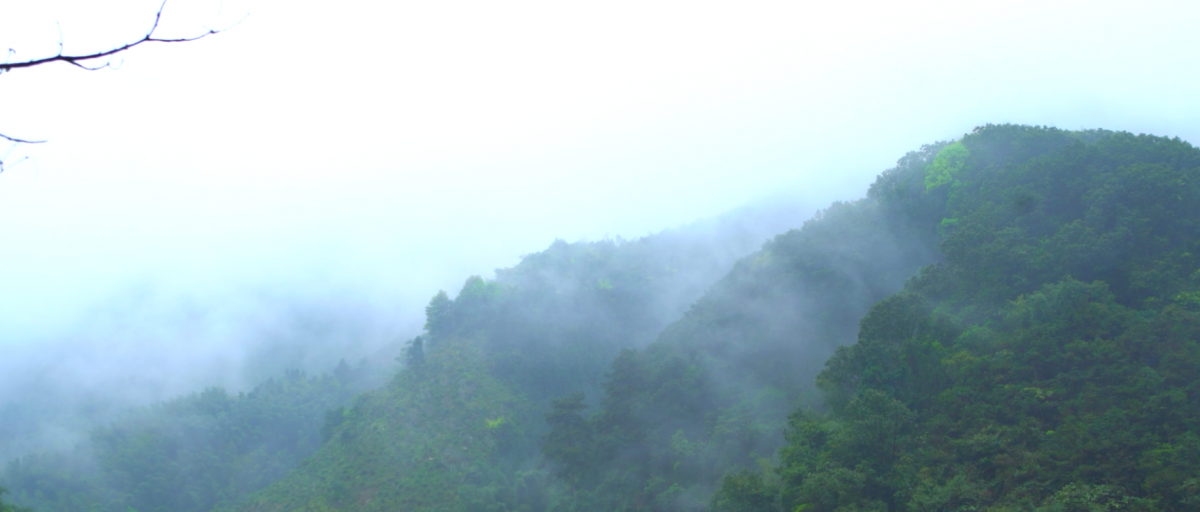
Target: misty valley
{"x":1007,"y":321}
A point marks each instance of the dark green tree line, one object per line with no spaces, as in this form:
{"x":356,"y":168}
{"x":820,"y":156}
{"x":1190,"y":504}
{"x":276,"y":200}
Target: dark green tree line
{"x":1050,"y":362}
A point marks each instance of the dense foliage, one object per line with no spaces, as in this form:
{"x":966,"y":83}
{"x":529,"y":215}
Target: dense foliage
{"x":9,"y":507}
{"x":1050,"y":362}
{"x":436,"y":435}
{"x":188,"y":454}
{"x":713,"y":392}
{"x":461,"y":426}
{"x":1010,"y":321}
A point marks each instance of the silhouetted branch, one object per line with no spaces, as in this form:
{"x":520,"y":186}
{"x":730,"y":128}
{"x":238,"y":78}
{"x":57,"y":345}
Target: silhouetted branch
{"x":20,"y":141}
{"x":82,"y":60}
{"x":4,"y":165}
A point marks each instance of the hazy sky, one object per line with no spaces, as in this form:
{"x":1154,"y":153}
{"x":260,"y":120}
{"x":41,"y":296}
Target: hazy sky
{"x":384,"y":150}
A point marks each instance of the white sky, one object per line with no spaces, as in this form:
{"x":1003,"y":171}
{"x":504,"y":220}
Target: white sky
{"x":389,"y":149}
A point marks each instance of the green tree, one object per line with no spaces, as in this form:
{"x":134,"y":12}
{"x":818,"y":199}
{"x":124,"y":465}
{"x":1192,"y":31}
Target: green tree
{"x":414,"y":354}
{"x":9,"y":507}
{"x":568,"y":445}
{"x":437,"y":314}
{"x":746,"y":491}
{"x":946,"y":165}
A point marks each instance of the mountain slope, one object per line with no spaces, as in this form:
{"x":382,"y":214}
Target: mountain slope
{"x":1006,"y":322}
{"x":551,"y":323}
{"x":410,"y":445}
{"x":1050,"y":362}
{"x":712,"y":393}
{"x":189,"y":453}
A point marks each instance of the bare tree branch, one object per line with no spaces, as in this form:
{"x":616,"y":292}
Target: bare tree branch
{"x":82,"y":61}
{"x":5,"y":165}
{"x":20,"y":141}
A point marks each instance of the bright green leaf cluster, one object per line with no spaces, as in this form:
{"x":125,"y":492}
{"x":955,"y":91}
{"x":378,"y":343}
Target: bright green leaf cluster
{"x":948,"y":162}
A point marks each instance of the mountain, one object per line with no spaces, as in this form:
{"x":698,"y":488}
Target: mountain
{"x":1007,"y":321}
{"x":463,"y":427}
{"x":188,"y":453}
{"x":713,"y":392}
{"x":1049,"y":362}
{"x":462,"y":424}
{"x":855,"y":323}
{"x":566,"y":310}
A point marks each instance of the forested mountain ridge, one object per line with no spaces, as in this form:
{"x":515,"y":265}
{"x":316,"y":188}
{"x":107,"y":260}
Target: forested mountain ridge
{"x":195,"y":452}
{"x":429,"y":441}
{"x":1008,"y":321}
{"x":538,"y":336}
{"x":1049,"y":362}
{"x":713,"y":392}
{"x":189,"y":453}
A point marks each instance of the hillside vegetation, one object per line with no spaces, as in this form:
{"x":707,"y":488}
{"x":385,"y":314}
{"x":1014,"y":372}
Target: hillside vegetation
{"x":190,"y":453}
{"x":564,"y":312}
{"x":1049,"y":362}
{"x":461,"y":426}
{"x":1008,"y":321}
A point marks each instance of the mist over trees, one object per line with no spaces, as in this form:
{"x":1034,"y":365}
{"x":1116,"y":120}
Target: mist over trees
{"x":1048,"y":362}
{"x":144,"y":347}
{"x":496,"y":356}
{"x":192,"y":452}
{"x":1007,"y":321}
{"x":187,"y":453}
{"x":714,"y":390}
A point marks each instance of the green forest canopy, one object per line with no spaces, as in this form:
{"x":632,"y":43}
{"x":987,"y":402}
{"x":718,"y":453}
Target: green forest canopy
{"x":1008,"y":321}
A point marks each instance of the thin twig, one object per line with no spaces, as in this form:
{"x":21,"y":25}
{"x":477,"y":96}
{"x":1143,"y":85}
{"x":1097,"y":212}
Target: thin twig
{"x":80,"y":60}
{"x":5,"y":167}
{"x":20,"y":141}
